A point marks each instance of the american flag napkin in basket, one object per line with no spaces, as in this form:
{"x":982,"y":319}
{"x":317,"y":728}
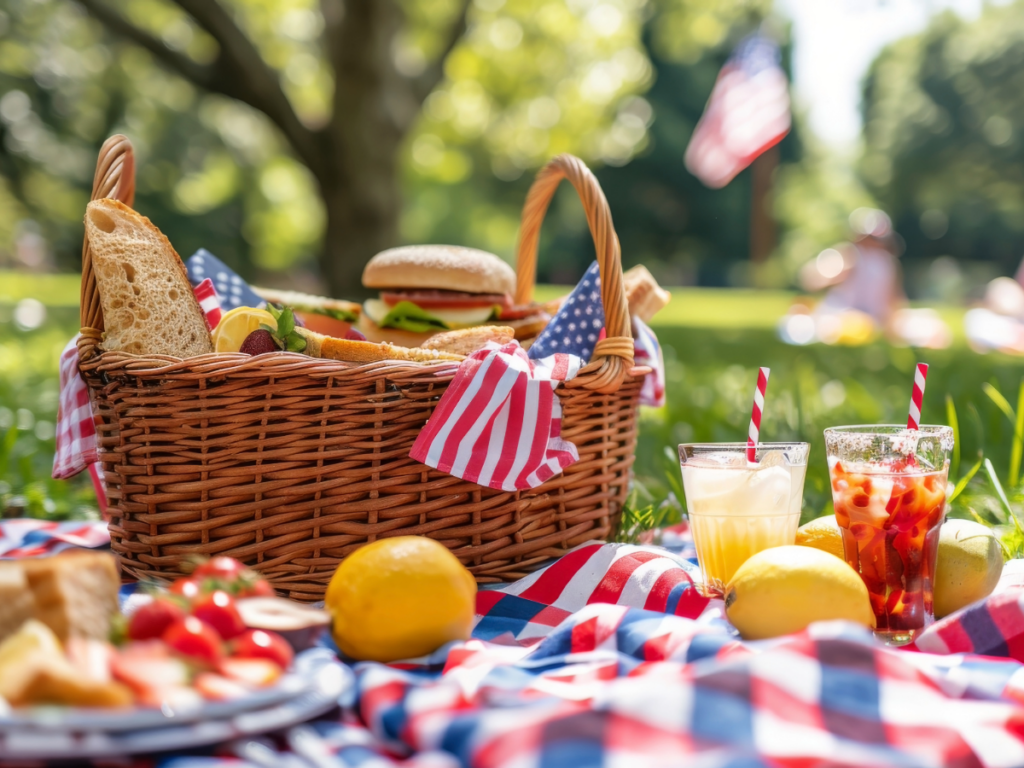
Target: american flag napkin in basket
{"x":76,"y":429}
{"x":499,"y":422}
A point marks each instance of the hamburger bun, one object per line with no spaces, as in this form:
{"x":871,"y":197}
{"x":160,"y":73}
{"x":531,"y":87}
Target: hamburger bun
{"x":442,"y":267}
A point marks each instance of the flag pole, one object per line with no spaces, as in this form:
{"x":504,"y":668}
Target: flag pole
{"x":762,"y":222}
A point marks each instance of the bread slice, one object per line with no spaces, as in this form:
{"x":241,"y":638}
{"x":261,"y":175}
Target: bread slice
{"x":148,"y":304}
{"x":75,"y":592}
{"x":17,"y":604}
{"x":645,"y":297}
{"x":469,"y":340}
{"x":330,"y":348}
{"x":374,"y":332}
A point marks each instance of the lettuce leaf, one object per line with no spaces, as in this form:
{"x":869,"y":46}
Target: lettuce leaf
{"x":407,"y":316}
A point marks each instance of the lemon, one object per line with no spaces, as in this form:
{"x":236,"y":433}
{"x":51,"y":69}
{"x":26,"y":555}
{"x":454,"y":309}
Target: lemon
{"x":822,"y":533}
{"x":400,"y":598}
{"x":781,"y":590}
{"x":969,"y":565}
{"x":237,"y":324}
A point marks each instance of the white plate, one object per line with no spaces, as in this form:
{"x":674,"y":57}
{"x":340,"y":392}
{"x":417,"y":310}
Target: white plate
{"x":64,"y":733}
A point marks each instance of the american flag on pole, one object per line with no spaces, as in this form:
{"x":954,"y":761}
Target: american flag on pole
{"x":747,"y":113}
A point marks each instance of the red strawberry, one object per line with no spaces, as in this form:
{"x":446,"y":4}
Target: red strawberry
{"x":258,"y":342}
{"x":353,"y":335}
{"x":150,"y":621}
{"x":260,"y":644}
{"x":191,"y":637}
{"x":218,"y":610}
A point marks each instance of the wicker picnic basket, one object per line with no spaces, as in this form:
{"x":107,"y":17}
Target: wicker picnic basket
{"x":290,"y":463}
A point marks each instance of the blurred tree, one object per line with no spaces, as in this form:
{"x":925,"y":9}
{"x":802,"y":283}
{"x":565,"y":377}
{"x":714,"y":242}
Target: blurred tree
{"x":944,"y":145}
{"x":342,"y":83}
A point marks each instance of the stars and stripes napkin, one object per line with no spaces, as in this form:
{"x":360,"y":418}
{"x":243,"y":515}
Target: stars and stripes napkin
{"x":499,"y":422}
{"x":26,"y":537}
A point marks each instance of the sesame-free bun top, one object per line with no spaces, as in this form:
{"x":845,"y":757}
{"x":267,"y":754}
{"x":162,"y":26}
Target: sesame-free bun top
{"x":442,"y":267}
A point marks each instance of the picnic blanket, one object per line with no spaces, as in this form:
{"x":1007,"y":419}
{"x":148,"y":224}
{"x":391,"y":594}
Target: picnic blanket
{"x":610,"y":657}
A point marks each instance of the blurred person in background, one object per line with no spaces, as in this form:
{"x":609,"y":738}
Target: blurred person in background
{"x":999,"y":322}
{"x":864,"y":292}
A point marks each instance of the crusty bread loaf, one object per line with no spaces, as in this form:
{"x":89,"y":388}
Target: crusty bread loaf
{"x":148,"y":304}
{"x":469,"y":340}
{"x":75,"y":592}
{"x":645,"y":297}
{"x":330,"y":348}
{"x":443,"y":267}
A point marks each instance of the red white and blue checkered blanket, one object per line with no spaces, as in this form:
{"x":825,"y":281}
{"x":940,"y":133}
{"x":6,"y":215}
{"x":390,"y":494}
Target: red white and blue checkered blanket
{"x":609,"y":657}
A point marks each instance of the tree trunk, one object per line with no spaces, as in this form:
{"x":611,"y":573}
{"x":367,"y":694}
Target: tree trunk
{"x":357,"y":228}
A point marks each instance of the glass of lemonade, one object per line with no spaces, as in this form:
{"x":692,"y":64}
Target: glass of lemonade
{"x":889,"y":491}
{"x":738,"y":508}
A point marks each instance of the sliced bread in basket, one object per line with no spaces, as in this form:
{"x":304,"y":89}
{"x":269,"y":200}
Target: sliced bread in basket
{"x":148,"y":304}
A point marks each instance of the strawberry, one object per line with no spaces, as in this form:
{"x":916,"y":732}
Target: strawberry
{"x":152,"y":619}
{"x":192,"y":638}
{"x":263,"y":644}
{"x":226,"y":568}
{"x":258,"y":342}
{"x":218,"y":610}
{"x":353,"y":335}
{"x":255,"y":672}
{"x":214,"y":687}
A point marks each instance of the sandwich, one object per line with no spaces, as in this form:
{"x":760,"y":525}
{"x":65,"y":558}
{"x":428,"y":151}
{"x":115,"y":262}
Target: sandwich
{"x":643,"y":294}
{"x":148,"y":304}
{"x":430,"y":289}
{"x":331,"y":317}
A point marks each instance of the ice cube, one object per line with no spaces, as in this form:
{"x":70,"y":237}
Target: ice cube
{"x":773,"y":459}
{"x":722,"y":460}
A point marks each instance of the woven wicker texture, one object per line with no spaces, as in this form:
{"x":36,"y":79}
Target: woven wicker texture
{"x":290,"y":463}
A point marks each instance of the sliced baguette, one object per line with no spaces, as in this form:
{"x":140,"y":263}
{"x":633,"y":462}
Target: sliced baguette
{"x":330,"y":348}
{"x":469,"y":340}
{"x":148,"y":304}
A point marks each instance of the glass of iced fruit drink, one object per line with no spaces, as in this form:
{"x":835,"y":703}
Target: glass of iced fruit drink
{"x":889,"y":491}
{"x":737,"y":507}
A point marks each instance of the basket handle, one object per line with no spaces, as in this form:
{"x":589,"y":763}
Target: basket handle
{"x":613,"y":356}
{"x":114,"y":178}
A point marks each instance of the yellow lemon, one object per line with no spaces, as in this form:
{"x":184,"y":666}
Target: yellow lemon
{"x":822,"y":533}
{"x":237,"y":324}
{"x":969,"y":565}
{"x":400,"y":598}
{"x":781,"y":590}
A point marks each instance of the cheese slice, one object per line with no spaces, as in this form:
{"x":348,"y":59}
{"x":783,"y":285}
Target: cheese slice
{"x":377,"y":310}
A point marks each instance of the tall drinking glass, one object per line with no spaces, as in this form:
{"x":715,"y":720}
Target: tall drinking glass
{"x":889,"y":491}
{"x":738,"y":508}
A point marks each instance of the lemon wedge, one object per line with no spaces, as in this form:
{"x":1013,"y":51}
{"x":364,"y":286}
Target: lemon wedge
{"x":237,"y":324}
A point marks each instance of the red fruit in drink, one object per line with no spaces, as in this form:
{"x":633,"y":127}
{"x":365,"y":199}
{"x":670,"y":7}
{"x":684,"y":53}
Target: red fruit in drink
{"x":191,"y":637}
{"x":218,"y":610}
{"x":259,"y":342}
{"x":255,"y":672}
{"x":150,"y":621}
{"x":263,"y":644}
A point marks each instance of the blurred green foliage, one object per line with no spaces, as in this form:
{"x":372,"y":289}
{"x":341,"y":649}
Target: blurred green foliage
{"x":943,"y":140}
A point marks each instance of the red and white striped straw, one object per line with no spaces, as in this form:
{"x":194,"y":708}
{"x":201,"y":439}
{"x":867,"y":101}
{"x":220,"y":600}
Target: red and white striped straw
{"x":917,"y":397}
{"x":755,"y":414}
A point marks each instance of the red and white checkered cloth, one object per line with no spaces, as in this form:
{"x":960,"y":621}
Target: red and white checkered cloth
{"x":77,"y":448}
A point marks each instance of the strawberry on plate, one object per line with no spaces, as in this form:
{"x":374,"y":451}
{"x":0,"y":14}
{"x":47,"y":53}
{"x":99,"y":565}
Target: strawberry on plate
{"x":151,"y":620}
{"x":257,"y":673}
{"x":214,"y":687}
{"x":195,"y":639}
{"x":218,"y":610}
{"x":263,"y":644}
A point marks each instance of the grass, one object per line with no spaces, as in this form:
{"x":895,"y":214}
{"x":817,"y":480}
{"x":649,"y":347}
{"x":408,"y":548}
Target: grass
{"x":714,"y":341}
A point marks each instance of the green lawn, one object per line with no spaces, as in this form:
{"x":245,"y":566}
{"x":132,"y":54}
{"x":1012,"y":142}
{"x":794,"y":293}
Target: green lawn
{"x":714,"y":341}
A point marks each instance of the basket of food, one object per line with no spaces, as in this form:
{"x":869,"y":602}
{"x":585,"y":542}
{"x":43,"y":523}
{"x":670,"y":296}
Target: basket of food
{"x":291,"y":460}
